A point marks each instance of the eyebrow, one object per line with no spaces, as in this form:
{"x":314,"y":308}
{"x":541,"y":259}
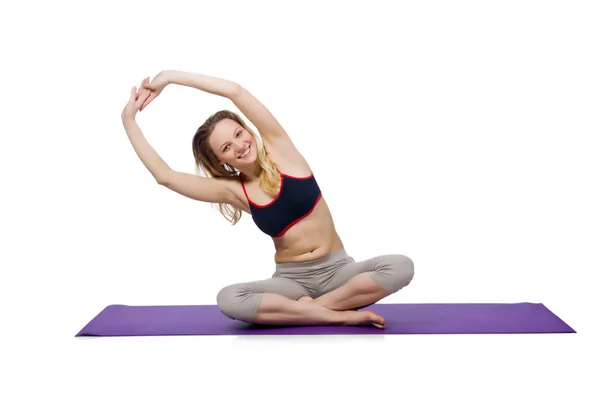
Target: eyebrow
{"x":234,"y":131}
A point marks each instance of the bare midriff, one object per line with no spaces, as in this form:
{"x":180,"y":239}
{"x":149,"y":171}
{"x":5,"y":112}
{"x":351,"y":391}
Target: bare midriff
{"x":311,"y":238}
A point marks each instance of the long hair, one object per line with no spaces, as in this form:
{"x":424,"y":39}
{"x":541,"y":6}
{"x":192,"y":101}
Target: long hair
{"x":207,"y":161}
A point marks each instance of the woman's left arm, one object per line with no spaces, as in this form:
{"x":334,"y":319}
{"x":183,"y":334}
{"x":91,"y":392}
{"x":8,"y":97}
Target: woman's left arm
{"x":268,"y":127}
{"x":212,"y":85}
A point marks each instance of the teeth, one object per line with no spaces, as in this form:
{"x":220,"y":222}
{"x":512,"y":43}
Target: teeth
{"x":245,"y":153}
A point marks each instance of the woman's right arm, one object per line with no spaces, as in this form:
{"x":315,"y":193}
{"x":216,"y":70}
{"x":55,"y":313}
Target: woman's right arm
{"x":193,"y":186}
{"x":152,"y":161}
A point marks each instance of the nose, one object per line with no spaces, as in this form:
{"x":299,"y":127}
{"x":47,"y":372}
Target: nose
{"x":240,"y":147}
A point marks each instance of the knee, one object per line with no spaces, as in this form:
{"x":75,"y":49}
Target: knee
{"x":233,"y":301}
{"x":400,"y":270}
{"x":226,"y":298}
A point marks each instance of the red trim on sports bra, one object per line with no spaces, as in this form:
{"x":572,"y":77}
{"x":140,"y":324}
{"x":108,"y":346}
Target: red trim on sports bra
{"x":272,"y":201}
{"x":299,"y":219}
{"x":296,"y":177}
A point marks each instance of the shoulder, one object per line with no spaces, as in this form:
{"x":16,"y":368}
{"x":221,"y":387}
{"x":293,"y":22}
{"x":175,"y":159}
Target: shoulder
{"x":274,"y":136}
{"x":288,"y":158}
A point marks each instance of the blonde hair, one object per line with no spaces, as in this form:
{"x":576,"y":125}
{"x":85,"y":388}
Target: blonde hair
{"x":207,"y":161}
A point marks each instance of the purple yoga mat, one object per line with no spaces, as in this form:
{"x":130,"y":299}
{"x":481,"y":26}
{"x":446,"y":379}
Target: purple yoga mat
{"x":422,"y":318}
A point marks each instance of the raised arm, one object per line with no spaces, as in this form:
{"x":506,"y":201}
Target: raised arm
{"x":152,"y":161}
{"x":212,"y":85}
{"x":192,"y":186}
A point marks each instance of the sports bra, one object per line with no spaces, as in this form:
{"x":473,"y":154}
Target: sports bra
{"x":297,"y":198}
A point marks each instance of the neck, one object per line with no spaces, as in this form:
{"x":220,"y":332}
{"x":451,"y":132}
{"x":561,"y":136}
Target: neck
{"x":251,"y":172}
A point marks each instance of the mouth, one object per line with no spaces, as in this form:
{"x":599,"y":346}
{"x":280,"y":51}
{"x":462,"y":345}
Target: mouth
{"x":246,"y":153}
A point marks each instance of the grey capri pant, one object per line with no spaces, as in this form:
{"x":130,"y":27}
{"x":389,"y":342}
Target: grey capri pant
{"x":314,"y":278}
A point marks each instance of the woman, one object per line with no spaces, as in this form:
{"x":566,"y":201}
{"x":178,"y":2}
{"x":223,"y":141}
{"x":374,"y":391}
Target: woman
{"x":316,"y":282}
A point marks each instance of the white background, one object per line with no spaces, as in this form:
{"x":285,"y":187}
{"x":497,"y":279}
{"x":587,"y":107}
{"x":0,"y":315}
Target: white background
{"x":462,"y":134}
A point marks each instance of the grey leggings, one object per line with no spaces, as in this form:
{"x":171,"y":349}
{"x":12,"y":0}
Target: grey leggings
{"x":314,"y":278}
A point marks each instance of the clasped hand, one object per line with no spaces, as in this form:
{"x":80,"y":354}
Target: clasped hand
{"x":140,"y":98}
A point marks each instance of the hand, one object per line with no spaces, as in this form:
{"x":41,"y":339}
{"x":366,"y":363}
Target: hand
{"x":136,"y":100}
{"x":159,"y":82}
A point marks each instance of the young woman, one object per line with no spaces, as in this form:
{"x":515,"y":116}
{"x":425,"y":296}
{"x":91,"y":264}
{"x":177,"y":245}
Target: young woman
{"x":315,"y":281}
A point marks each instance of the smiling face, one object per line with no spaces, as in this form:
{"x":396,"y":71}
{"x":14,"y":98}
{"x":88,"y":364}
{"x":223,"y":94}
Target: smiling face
{"x":233,"y":144}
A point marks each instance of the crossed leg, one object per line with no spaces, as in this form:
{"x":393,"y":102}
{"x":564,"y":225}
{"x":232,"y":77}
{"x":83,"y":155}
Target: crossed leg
{"x":275,"y":301}
{"x":360,"y":284}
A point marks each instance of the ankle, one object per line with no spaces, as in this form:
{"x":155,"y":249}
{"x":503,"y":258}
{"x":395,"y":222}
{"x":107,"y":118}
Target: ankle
{"x":342,"y":317}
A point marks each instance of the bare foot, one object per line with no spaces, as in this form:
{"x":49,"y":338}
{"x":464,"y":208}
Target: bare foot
{"x":365,"y":317}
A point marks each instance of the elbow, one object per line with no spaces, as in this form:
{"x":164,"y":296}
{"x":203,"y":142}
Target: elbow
{"x":161,"y":179}
{"x":234,"y":90}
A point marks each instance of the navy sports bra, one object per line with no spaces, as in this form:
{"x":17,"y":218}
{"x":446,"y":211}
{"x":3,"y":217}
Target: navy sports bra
{"x":296,"y":199}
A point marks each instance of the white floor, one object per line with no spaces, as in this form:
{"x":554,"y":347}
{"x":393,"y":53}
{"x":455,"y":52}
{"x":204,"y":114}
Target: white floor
{"x":55,"y":363}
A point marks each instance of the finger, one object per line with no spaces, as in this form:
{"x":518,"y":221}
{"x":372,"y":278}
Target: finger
{"x":145,"y":94}
{"x":142,"y":87}
{"x":133,"y":95}
{"x":146,"y":83}
{"x":142,"y":98}
{"x":147,"y":101}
